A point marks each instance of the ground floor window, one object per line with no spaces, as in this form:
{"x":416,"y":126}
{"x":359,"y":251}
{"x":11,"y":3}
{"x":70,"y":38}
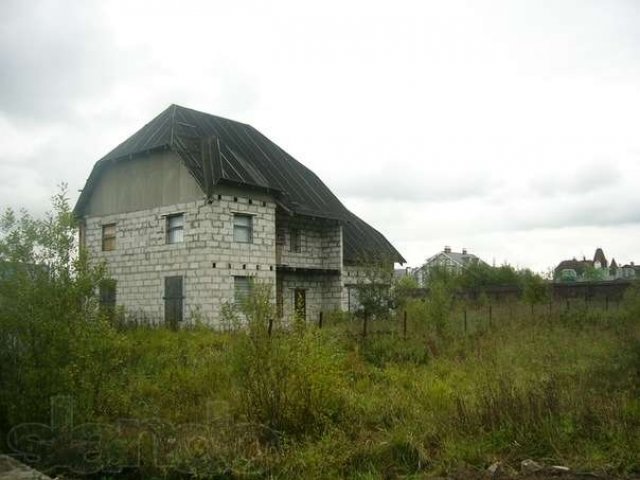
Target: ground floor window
{"x":241,"y":290}
{"x":107,"y":291}
{"x":353,"y":300}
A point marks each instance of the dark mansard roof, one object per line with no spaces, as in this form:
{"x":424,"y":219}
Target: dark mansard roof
{"x":221,"y":151}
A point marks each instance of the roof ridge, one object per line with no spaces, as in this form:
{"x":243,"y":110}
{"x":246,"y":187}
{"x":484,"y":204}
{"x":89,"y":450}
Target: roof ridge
{"x":173,"y":122}
{"x":200,"y":112}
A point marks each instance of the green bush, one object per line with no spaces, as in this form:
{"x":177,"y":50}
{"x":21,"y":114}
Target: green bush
{"x":289,"y":382}
{"x":439,"y":304}
{"x":54,"y":339}
{"x":631,"y":302}
{"x":392,"y":349}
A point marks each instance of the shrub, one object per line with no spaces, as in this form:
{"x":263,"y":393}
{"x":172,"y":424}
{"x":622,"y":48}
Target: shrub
{"x":535,"y":289}
{"x":390,"y":349}
{"x":54,"y":339}
{"x":439,"y":305}
{"x":289,"y":383}
{"x":631,"y":301}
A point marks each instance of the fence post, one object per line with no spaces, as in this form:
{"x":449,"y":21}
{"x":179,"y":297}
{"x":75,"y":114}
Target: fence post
{"x":320,"y":320}
{"x":606,"y":303}
{"x":364,"y":324}
{"x":404,"y":325}
{"x":270,"y":328}
{"x":490,"y":315}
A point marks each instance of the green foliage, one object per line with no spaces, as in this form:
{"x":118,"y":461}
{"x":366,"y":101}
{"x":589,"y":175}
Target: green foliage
{"x":594,"y":274}
{"x":476,"y":277}
{"x":317,"y":403}
{"x":289,"y":382}
{"x":567,"y":275}
{"x":632,"y":301}
{"x":479,"y":275}
{"x":402,"y":290}
{"x":439,"y":303}
{"x":535,"y":289}
{"x":265,"y":400}
{"x":54,"y":340}
{"x":389,"y":350}
{"x":374,"y":288}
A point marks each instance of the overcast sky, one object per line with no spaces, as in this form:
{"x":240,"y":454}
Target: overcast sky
{"x":506,"y":127}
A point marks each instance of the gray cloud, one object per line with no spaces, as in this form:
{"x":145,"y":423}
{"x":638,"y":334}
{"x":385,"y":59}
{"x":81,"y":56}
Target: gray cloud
{"x":402,"y":183}
{"x":602,"y":208}
{"x":588,"y":178}
{"x":552,"y":87}
{"x":52,"y":55}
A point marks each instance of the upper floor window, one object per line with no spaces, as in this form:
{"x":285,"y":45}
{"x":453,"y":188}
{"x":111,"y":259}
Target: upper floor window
{"x":109,"y":237}
{"x":175,"y":228}
{"x":242,"y":228}
{"x":295,"y":240}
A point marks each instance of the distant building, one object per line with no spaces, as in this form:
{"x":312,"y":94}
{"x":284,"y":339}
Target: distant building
{"x":598,"y":269}
{"x":448,"y":260}
{"x":399,"y":273}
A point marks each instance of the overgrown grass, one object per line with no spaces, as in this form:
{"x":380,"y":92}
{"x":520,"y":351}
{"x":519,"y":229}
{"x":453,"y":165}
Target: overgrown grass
{"x":557,"y":386}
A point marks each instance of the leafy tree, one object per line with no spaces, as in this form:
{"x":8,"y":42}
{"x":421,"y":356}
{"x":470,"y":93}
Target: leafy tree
{"x":593,"y":274}
{"x":535,"y":289}
{"x":506,"y":275}
{"x":402,"y":290}
{"x":568,"y":275}
{"x":374,"y":287}
{"x":439,"y":304}
{"x":475,"y":276}
{"x":53,"y":337}
{"x":478,"y":276}
{"x":443,"y":275}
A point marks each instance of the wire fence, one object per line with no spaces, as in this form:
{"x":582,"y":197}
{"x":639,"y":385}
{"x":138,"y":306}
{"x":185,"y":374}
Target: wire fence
{"x":465,"y":319}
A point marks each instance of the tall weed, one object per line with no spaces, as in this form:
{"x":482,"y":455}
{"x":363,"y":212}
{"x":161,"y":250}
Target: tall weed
{"x":289,"y":382}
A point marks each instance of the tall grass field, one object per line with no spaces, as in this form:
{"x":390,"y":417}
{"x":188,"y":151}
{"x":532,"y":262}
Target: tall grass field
{"x":429,"y":397}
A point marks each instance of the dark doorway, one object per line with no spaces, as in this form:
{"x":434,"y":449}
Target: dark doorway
{"x":279,"y":297}
{"x":173,"y":301}
{"x":300,"y":304}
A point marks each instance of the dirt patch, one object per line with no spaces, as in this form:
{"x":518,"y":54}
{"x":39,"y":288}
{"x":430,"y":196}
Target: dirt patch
{"x":12,"y":469}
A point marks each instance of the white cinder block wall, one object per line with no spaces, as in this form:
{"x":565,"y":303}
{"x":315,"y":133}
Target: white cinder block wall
{"x":207,"y":259}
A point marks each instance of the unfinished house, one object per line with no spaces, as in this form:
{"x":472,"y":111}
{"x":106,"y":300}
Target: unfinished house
{"x":193,"y":209}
